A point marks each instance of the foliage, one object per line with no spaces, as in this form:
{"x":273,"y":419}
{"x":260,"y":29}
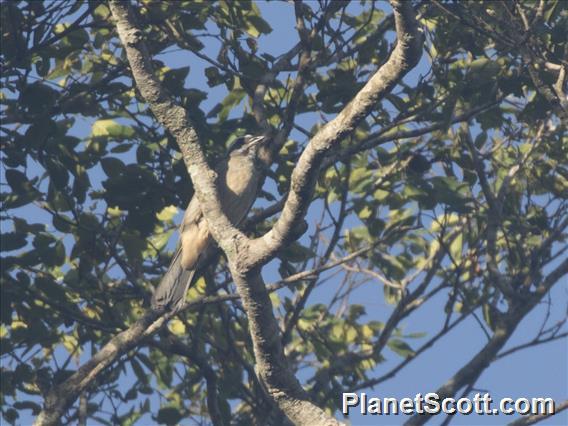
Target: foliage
{"x":92,"y":186}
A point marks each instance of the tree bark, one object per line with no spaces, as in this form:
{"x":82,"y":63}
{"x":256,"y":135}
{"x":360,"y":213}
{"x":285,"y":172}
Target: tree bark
{"x":245,"y":256}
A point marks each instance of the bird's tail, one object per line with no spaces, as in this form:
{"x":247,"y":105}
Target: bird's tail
{"x":170,"y":294}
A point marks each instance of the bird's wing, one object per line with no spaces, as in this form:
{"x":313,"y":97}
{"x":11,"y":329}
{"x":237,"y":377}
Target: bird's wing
{"x":170,"y":293}
{"x":238,"y":197}
{"x":237,"y":207}
{"x":173,"y":286}
{"x":192,"y":214}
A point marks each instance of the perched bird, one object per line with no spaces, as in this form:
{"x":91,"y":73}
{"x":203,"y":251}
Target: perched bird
{"x":239,"y":176}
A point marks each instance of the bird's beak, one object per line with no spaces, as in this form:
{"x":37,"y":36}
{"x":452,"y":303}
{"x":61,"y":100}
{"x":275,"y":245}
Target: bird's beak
{"x":257,"y":140}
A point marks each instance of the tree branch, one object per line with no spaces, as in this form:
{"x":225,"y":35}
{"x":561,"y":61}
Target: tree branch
{"x":60,"y":397}
{"x":272,"y":366}
{"x":489,"y":353}
{"x":535,"y":418}
{"x":403,"y":58}
{"x":174,"y":345}
{"x":175,"y":119}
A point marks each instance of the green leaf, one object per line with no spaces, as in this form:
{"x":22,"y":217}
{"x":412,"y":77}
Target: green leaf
{"x":177,"y":327}
{"x":449,"y":191}
{"x":401,"y":348}
{"x":360,"y":180}
{"x":12,"y":241}
{"x":168,"y":416}
{"x":365,"y":213}
{"x":52,"y":289}
{"x":231,"y":100}
{"x":113,"y":167}
{"x":295,"y":252}
{"x":214,"y":77}
{"x":159,"y":241}
{"x":392,"y":295}
{"x":28,"y":405}
{"x":134,"y":245}
{"x":77,"y":37}
{"x":16,"y":179}
{"x":38,"y":97}
{"x":174,"y":79}
{"x":167,"y":213}
{"x":256,"y":26}
{"x":111,"y":129}
{"x":139,"y":371}
{"x":57,"y":172}
{"x":456,"y":248}
{"x":121,"y":148}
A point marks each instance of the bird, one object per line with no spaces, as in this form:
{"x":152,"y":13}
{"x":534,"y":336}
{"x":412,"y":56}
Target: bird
{"x":239,"y":176}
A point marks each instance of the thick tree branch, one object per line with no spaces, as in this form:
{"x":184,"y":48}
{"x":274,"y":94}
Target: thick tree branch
{"x":271,"y":364}
{"x":280,"y":382}
{"x":175,"y":119}
{"x":60,"y":398}
{"x":504,"y":329}
{"x":403,"y":58}
{"x":472,"y":369}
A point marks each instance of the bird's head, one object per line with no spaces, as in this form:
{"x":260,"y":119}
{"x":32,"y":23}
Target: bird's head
{"x":247,"y":145}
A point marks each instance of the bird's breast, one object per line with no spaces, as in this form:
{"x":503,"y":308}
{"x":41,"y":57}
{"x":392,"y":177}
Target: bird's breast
{"x":239,"y":191}
{"x":241,"y":175}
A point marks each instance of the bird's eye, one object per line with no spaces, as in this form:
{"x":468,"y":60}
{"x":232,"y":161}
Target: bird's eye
{"x":237,"y":144}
